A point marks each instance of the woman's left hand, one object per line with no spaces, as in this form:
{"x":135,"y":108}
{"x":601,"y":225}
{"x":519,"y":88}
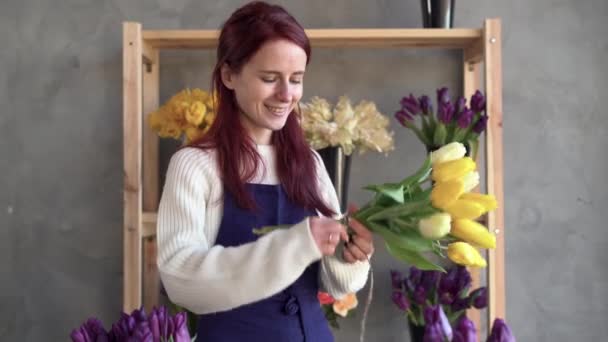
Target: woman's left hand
{"x":361,"y":244}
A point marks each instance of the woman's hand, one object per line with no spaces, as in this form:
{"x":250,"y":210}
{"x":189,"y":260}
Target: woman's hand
{"x":362,"y":244}
{"x":327,"y":233}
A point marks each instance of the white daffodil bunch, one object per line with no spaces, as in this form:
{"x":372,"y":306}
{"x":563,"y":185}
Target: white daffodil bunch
{"x":361,"y":127}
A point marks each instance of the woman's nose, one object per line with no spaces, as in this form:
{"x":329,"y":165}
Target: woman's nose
{"x":284,"y":92}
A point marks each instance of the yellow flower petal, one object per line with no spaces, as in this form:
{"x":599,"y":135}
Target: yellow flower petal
{"x":445,"y":193}
{"x":473,"y":232}
{"x":488,"y":201}
{"x":453,"y":169}
{"x":465,"y":209}
{"x":464,"y":254}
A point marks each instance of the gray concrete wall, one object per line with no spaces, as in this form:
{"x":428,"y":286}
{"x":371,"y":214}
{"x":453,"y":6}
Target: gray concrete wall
{"x":61,"y":150}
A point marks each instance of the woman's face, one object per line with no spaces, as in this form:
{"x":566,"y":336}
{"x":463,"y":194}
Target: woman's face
{"x":268,"y":87}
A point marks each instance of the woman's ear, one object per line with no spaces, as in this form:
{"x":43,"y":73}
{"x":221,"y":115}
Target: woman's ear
{"x":227,"y":77}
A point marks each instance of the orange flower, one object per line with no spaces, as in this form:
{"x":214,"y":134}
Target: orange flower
{"x":342,"y":306}
{"x":325,"y":298}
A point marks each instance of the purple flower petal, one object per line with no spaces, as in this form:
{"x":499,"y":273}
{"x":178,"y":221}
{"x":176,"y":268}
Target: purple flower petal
{"x":411,"y":105}
{"x":425,"y":105}
{"x":500,"y":332}
{"x":396,"y":279}
{"x":400,"y":300}
{"x":403,"y":117}
{"x":478,"y":102}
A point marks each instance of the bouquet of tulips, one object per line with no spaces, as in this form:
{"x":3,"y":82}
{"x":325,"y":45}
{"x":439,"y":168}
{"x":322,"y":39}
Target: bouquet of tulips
{"x":420,"y":289}
{"x":159,"y":325}
{"x":453,"y":122}
{"x":438,"y":329}
{"x":434,"y":211}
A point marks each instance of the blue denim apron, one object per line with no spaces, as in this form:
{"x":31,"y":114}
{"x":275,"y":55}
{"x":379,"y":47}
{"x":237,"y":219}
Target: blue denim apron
{"x":291,"y":315}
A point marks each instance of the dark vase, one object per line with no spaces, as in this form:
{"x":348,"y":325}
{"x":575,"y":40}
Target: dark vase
{"x":337,"y":165}
{"x":437,"y":13}
{"x":416,"y":332}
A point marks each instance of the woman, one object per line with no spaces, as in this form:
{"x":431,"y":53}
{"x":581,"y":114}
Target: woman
{"x":254,"y":169}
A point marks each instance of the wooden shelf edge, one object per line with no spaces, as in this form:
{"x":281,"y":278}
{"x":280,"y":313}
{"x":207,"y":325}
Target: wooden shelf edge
{"x":148,"y":220}
{"x":433,"y":38}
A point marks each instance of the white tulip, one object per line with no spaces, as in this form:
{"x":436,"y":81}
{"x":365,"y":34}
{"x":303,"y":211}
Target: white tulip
{"x":449,"y":152}
{"x":435,"y":226}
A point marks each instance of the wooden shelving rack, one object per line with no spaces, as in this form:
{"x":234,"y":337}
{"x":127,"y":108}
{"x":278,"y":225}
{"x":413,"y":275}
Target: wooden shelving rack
{"x":480,"y":46}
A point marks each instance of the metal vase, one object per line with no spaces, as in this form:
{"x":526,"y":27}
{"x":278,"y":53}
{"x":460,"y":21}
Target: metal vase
{"x":337,"y":165}
{"x":437,"y":13}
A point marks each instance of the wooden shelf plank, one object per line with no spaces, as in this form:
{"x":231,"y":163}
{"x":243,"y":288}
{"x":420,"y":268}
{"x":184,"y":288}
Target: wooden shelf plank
{"x":149,"y":224}
{"x":494,"y":160}
{"x":429,"y":38}
{"x":132,"y":154}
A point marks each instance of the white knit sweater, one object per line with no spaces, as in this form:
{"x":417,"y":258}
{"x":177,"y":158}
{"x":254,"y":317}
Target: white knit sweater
{"x":204,"y":277}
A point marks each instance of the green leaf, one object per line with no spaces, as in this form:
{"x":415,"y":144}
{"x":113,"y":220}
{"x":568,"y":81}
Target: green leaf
{"x":412,"y":258}
{"x":419,"y":176}
{"x":391,"y":190}
{"x":402,"y":240}
{"x":440,"y":135}
{"x":399,"y":210}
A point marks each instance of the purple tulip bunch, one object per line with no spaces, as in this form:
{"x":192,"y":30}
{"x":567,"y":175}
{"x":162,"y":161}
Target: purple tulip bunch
{"x":438,"y":302}
{"x":453,"y":121}
{"x":158,"y":326}
{"x":421,"y":289}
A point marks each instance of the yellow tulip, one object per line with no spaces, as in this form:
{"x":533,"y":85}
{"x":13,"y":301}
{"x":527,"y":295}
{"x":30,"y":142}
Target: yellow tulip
{"x":464,"y":254}
{"x":453,"y":169}
{"x":488,"y":201}
{"x":435,"y":226}
{"x":449,"y":152}
{"x":446,"y":193}
{"x":465,"y":209}
{"x":473,"y":232}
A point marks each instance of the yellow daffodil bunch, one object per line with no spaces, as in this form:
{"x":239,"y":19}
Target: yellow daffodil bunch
{"x":186,"y":116}
{"x":362,"y":126}
{"x":441,"y":218}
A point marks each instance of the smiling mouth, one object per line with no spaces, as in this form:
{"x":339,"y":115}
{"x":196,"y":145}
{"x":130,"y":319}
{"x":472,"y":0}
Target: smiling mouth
{"x":277,"y":110}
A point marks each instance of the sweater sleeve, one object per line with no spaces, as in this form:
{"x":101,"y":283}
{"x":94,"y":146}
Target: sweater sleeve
{"x":337,"y":277}
{"x":205,"y":278}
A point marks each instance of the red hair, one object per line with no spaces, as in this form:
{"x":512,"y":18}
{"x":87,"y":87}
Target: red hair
{"x":242,"y":35}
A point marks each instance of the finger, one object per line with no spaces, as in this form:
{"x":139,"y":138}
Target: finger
{"x":352,"y":208}
{"x":330,"y":249}
{"x":343,"y":234}
{"x":360,"y":229}
{"x":348,"y":256}
{"x":357,"y":252}
{"x":365,"y":246}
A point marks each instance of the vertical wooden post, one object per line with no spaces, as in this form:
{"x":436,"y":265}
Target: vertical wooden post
{"x":132,"y":152}
{"x":151,"y":282}
{"x":494,"y":159}
{"x":472,"y":82}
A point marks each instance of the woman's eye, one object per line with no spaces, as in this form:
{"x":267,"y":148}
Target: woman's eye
{"x":296,"y":81}
{"x":268,"y":80}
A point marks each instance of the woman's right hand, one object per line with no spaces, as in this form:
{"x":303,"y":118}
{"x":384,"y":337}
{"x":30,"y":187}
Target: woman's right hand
{"x":327,"y":233}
